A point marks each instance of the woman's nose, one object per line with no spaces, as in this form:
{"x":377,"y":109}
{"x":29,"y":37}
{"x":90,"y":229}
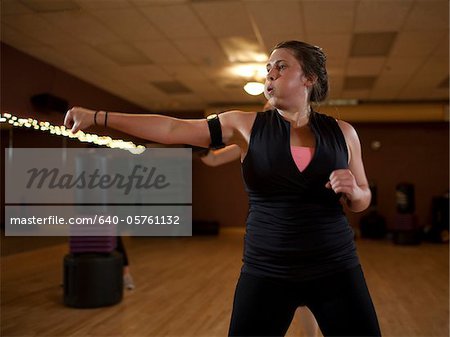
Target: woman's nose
{"x":271,"y":74}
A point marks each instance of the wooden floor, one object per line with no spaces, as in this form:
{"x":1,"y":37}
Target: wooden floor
{"x":185,"y":288}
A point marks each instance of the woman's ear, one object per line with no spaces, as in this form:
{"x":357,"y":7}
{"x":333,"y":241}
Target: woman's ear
{"x":310,"y":80}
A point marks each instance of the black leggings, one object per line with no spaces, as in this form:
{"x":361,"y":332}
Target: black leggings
{"x":340,"y":303}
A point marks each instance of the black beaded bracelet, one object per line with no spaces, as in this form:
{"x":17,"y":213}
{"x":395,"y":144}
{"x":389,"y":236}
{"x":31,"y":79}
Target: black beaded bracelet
{"x":95,"y":117}
{"x":106,"y":118}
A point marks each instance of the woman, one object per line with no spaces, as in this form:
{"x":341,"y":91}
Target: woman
{"x":299,"y":247}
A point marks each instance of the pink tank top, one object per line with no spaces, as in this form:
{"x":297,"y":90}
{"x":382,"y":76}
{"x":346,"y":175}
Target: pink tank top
{"x":302,"y":156}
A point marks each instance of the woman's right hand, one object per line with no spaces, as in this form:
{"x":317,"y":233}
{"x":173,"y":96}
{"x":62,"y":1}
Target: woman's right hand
{"x":78,"y":118}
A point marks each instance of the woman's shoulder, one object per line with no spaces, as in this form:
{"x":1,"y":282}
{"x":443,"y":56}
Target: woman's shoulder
{"x":238,"y":117}
{"x":347,"y":129}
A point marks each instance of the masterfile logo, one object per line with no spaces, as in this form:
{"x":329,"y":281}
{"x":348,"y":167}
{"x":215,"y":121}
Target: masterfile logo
{"x":140,"y":177}
{"x":99,"y":176}
{"x":91,"y":191}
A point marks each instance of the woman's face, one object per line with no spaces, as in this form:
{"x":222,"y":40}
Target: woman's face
{"x":286,"y":85}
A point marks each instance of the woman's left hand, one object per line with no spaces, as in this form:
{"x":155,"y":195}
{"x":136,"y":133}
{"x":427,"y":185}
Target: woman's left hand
{"x":343,"y":181}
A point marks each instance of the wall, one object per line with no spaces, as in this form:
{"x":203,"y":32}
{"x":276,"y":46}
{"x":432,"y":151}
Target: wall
{"x":417,"y":153}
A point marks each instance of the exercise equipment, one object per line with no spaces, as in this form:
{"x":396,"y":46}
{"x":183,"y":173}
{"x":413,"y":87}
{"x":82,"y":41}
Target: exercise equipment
{"x":93,"y":280}
{"x":405,"y":229}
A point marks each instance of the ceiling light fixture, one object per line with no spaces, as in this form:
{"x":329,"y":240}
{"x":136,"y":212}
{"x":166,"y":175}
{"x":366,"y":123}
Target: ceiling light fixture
{"x":254,"y":88}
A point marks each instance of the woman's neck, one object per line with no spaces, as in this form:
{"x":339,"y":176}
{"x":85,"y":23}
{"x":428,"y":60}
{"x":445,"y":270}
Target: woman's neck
{"x":297,"y":117}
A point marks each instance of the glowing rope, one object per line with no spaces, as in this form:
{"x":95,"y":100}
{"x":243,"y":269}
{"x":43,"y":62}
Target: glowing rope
{"x":80,"y":135}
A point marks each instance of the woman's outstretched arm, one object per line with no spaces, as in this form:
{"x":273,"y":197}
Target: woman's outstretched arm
{"x":156,"y":128}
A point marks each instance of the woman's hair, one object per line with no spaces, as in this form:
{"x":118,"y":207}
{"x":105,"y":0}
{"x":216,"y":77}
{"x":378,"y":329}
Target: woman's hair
{"x":313,"y":62}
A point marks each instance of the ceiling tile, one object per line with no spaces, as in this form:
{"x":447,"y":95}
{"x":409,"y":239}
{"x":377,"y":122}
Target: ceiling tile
{"x":190,"y":101}
{"x":196,"y":85}
{"x":413,"y":94}
{"x":100,"y":79}
{"x":239,"y":97}
{"x":171,"y":87}
{"x":428,"y":15}
{"x":428,"y":77}
{"x":146,"y":89}
{"x":435,"y":66}
{"x":37,"y":28}
{"x":148,"y":73}
{"x":49,"y":6}
{"x":230,"y":83}
{"x":128,"y":23}
{"x":111,"y":73}
{"x":382,"y":94}
{"x":83,"y":26}
{"x":202,"y":51}
{"x":50,"y":56}
{"x":103,"y":4}
{"x":372,"y":44}
{"x":13,"y":7}
{"x":161,"y":52}
{"x":336,"y":67}
{"x":442,"y":49}
{"x":360,"y":66}
{"x":224,"y":19}
{"x":381,"y":15}
{"x":206,"y":90}
{"x":335,"y":83}
{"x":334,"y":45}
{"x":412,"y":44}
{"x":184,"y":72}
{"x":329,"y":16}
{"x":123,"y":54}
{"x":391,"y":80}
{"x":403,"y":66}
{"x":271,"y":41}
{"x":85,"y":55}
{"x":243,"y":49}
{"x":291,"y":24}
{"x":355,"y":94}
{"x":17,"y":39}
{"x":145,"y":3}
{"x":358,"y":82}
{"x":183,"y":23}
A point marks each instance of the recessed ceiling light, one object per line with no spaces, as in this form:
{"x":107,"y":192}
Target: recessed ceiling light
{"x":254,"y":88}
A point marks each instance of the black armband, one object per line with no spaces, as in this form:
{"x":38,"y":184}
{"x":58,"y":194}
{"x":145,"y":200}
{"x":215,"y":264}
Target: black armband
{"x":215,"y":131}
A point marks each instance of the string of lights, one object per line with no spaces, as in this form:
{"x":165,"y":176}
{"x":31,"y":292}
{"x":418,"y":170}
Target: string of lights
{"x":62,"y":131}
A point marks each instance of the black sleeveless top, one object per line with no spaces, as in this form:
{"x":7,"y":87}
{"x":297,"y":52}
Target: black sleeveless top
{"x":296,"y":227}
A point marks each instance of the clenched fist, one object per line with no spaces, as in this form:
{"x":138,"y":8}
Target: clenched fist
{"x":79,"y":119}
{"x":343,"y":181}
